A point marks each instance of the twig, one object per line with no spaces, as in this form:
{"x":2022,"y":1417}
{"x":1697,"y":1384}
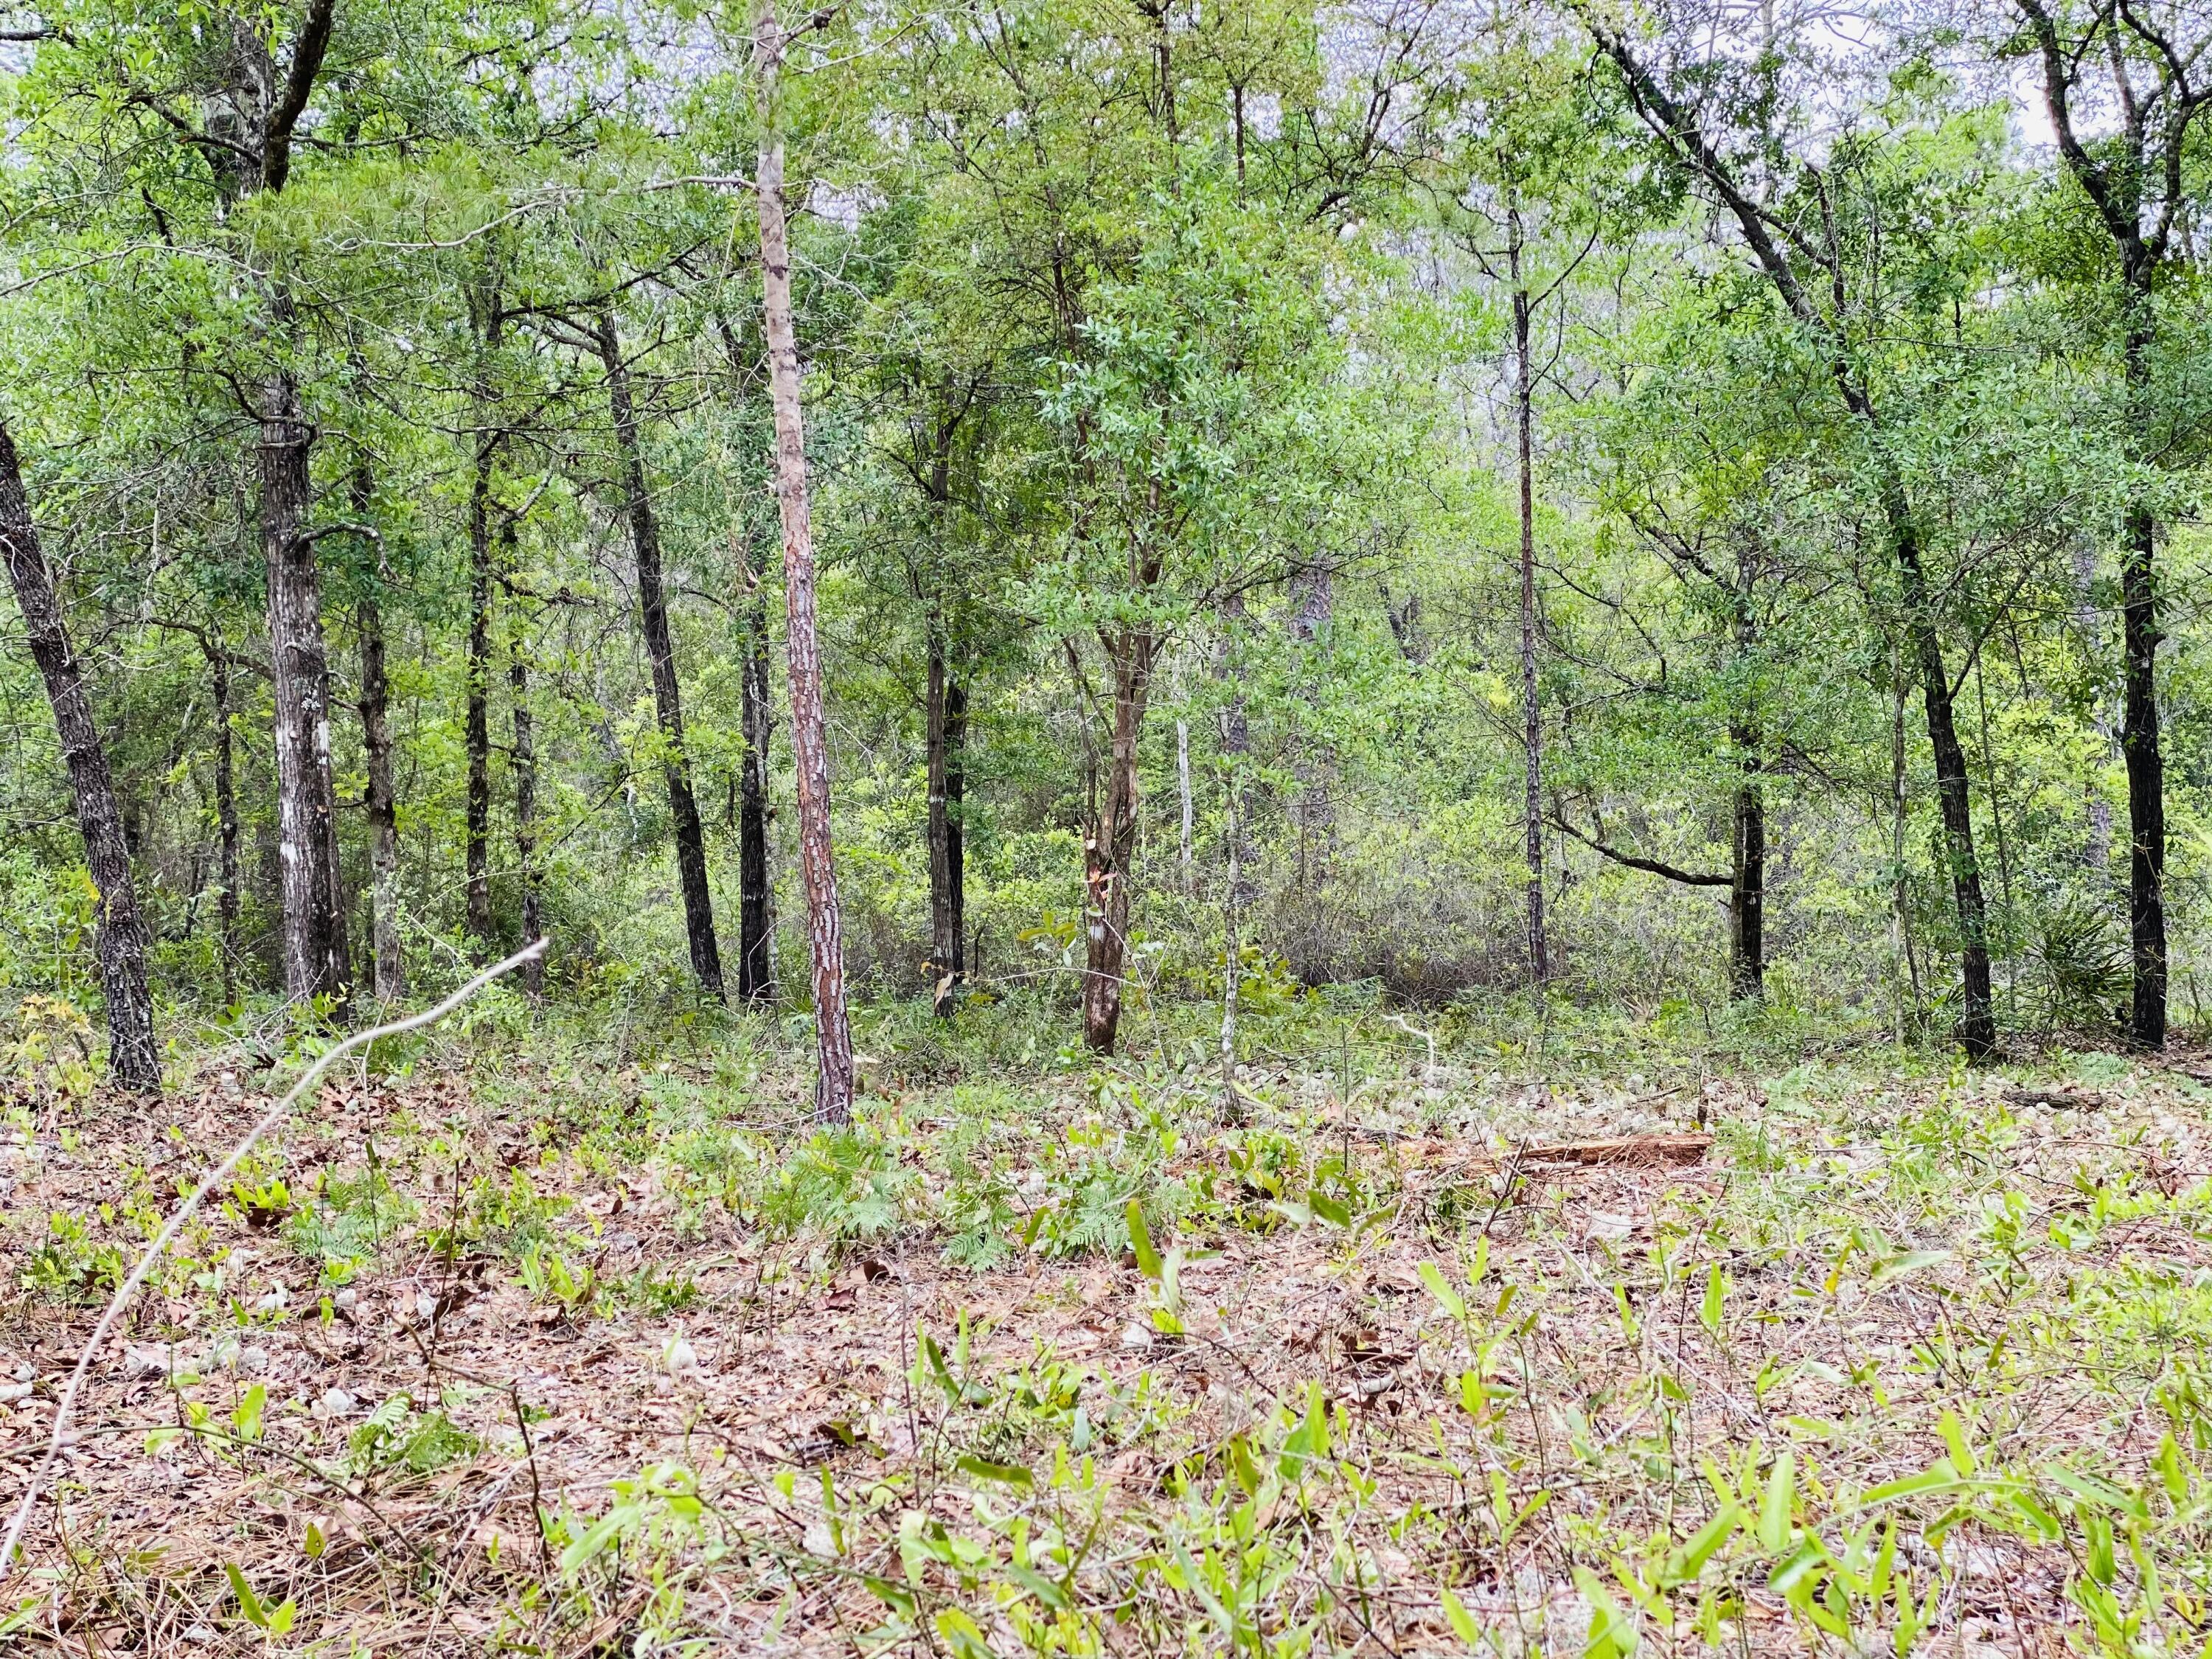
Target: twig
{"x":160,"y":1245}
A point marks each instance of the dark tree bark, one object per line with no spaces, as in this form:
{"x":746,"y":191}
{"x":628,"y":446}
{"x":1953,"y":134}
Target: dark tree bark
{"x":660,"y":652}
{"x":1532,"y":734}
{"x":314,"y":935}
{"x":2136,"y":194}
{"x":947,"y":732}
{"x":755,"y":892}
{"x":134,"y":1057}
{"x":226,"y":817}
{"x":388,"y":965}
{"x":1747,"y":875}
{"x":2139,"y":745}
{"x":1678,"y":129}
{"x":525,"y":811}
{"x":315,"y":957}
{"x":810,"y":737}
{"x":475,"y":835}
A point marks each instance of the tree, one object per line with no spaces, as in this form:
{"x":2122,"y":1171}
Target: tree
{"x":2133,"y":175}
{"x":1800,"y":242}
{"x":118,"y":933}
{"x":833,"y":1097}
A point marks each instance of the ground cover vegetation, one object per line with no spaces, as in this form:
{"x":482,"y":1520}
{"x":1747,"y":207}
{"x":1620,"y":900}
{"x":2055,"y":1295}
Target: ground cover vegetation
{"x":1373,"y":827}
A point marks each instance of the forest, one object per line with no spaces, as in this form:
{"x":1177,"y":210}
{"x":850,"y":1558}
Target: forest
{"x":1106,"y":827}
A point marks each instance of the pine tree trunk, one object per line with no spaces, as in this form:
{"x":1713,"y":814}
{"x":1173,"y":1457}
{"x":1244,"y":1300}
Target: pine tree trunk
{"x":388,"y":966}
{"x":314,"y":937}
{"x":1532,"y":737}
{"x":476,"y":833}
{"x":525,"y":811}
{"x":2139,"y":736}
{"x":1110,"y":845}
{"x":810,"y":740}
{"x":134,"y":1057}
{"x":947,"y":722}
{"x":226,"y":819}
{"x":660,"y":651}
{"x":1747,"y":875}
{"x":755,"y":893}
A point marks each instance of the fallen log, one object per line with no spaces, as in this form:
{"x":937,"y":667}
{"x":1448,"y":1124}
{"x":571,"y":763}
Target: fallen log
{"x":1629,"y":1149}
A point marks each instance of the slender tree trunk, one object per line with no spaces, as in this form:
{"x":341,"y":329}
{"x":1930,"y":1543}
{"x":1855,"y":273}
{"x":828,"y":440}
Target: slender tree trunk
{"x":1747,"y":875}
{"x":134,"y":1057}
{"x":660,"y":650}
{"x":226,"y":819}
{"x":1182,"y":789}
{"x":475,"y":835}
{"x":1539,"y":962}
{"x":1232,"y":944}
{"x":1901,"y":908}
{"x":1110,"y":844}
{"x":315,"y":957}
{"x":1235,"y":744}
{"x":1953,"y":796}
{"x":526,"y":809}
{"x":755,"y":921}
{"x":810,"y":741}
{"x":1313,"y":812}
{"x":389,"y":965}
{"x":947,"y":723}
{"x":2139,"y":737}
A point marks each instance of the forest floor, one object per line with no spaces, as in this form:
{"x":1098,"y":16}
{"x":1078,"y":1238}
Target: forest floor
{"x":502,"y":1348}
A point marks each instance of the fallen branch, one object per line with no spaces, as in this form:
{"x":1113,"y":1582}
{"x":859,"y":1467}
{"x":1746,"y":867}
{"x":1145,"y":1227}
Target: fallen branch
{"x":158,"y":1247}
{"x":2065,"y":1100}
{"x":1632,"y":1149}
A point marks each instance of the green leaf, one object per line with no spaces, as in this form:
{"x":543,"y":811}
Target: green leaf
{"x":1011,"y":1475}
{"x":1774,"y":1513}
{"x":1939,"y":1476}
{"x":1461,"y":1621}
{"x":248,"y":1602}
{"x":1449,"y":1298}
{"x":1909,"y":1261}
{"x":1611,"y":1635}
{"x":1330,"y":1210}
{"x":1140,"y":1241}
{"x":597,"y":1536}
{"x":1688,"y":1559}
{"x":282,"y":1615}
{"x":1039,"y":1586}
{"x":1709,"y":1311}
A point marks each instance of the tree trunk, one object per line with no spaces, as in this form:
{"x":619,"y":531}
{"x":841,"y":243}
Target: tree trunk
{"x":525,"y":810}
{"x":2139,"y":738}
{"x":134,"y":1058}
{"x":810,"y":742}
{"x":659,"y":649}
{"x":226,"y":819}
{"x":1532,"y":738}
{"x":1313,"y":812}
{"x":1232,"y":943}
{"x":947,"y":722}
{"x":1748,"y":876}
{"x":1953,"y":798}
{"x":389,"y":966}
{"x":476,"y":835}
{"x":755,"y":894}
{"x":1183,"y":790}
{"x":315,"y":957}
{"x":1110,"y":844}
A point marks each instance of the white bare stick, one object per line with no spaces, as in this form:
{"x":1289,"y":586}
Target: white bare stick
{"x":156,"y":1250}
